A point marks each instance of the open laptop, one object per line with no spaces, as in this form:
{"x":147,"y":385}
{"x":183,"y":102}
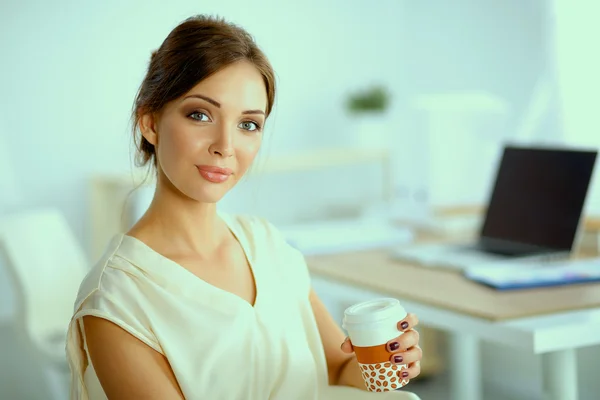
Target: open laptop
{"x":534,"y":211}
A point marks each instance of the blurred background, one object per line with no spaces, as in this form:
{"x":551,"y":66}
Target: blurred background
{"x":389,"y":109}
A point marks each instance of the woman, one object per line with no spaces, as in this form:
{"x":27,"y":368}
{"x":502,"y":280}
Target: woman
{"x":197,"y":304}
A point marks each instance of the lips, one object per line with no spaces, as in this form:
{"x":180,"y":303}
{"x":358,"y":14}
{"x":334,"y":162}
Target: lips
{"x":214,"y":174}
{"x":214,"y":169}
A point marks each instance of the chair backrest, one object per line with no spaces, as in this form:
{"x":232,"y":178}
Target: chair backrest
{"x":48,"y":265}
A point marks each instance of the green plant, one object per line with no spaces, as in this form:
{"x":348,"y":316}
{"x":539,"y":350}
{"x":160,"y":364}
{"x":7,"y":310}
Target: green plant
{"x":371,"y":100}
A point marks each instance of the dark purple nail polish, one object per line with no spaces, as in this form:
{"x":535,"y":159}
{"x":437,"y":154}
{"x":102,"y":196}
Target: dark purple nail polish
{"x":405,"y":374}
{"x":404,"y":325}
{"x":394,"y":346}
{"x":398,"y":359}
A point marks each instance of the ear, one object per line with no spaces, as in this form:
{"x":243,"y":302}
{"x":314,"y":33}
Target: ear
{"x":148,"y":128}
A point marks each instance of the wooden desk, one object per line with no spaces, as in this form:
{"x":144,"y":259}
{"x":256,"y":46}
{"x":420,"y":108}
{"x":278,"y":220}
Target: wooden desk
{"x":448,"y":289}
{"x":549,"y":322}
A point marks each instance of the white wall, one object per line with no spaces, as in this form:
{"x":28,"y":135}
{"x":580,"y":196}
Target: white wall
{"x":72,"y":69}
{"x":489,"y":52}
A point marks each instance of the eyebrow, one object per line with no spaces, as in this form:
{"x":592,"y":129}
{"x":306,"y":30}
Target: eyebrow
{"x":218,"y":105}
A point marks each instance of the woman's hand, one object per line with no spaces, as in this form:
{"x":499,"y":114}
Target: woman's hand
{"x":403,"y":350}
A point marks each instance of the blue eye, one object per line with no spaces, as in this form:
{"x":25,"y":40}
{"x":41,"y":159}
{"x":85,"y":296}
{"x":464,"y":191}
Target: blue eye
{"x":199,"y":116}
{"x":249,"y":126}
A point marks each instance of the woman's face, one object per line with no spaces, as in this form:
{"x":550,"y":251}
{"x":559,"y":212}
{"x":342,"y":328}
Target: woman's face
{"x":206,"y":140}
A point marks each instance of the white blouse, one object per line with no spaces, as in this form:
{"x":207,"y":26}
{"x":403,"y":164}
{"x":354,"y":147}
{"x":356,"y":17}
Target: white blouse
{"x":218,"y":345}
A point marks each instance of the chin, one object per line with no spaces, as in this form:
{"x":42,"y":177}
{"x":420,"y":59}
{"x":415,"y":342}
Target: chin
{"x":208,"y":194}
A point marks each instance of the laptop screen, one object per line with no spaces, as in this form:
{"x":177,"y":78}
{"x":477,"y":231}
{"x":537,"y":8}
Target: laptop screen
{"x":538,"y":198}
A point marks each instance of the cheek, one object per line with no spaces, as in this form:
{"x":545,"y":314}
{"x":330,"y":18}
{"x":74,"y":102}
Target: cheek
{"x":175,"y":145}
{"x":246,"y":153}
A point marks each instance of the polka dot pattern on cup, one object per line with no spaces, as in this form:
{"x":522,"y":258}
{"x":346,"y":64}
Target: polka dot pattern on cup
{"x":382,"y":377}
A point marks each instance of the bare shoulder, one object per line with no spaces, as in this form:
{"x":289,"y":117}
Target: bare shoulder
{"x":126,"y":367}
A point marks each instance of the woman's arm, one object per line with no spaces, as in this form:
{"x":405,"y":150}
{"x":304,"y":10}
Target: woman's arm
{"x":126,"y":367}
{"x":339,"y":364}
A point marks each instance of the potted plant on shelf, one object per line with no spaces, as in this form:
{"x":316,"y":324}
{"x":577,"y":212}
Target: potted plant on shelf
{"x":367,"y":109}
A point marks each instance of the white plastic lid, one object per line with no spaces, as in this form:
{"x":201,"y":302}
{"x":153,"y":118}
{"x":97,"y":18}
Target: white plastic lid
{"x":372,"y":311}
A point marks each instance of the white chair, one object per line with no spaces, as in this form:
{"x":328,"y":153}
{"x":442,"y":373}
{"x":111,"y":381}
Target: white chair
{"x":47,"y":265}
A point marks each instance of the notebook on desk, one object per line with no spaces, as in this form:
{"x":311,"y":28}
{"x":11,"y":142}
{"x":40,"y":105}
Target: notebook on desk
{"x":534,"y":211}
{"x":510,"y":276}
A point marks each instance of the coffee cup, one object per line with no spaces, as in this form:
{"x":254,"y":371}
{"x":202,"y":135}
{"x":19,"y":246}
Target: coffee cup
{"x":370,"y":326}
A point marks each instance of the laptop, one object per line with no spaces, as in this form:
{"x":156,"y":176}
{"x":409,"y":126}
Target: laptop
{"x":533,"y":213}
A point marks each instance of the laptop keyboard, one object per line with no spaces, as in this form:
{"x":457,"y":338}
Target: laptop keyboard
{"x":462,"y":256}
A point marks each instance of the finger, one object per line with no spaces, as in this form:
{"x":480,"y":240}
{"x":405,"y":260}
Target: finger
{"x":410,"y":356}
{"x":403,"y":342}
{"x":347,"y":346}
{"x":408,"y":323}
{"x":411,"y":372}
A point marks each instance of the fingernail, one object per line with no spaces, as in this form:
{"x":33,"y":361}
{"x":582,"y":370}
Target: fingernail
{"x":394,"y":346}
{"x":404,"y":325}
{"x":405,"y":374}
{"x":398,"y":359}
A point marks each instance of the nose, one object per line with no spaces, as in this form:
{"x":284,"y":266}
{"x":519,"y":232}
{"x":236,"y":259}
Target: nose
{"x":222,"y":145}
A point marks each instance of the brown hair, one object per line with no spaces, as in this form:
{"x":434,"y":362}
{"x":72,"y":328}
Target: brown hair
{"x":195,"y":49}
